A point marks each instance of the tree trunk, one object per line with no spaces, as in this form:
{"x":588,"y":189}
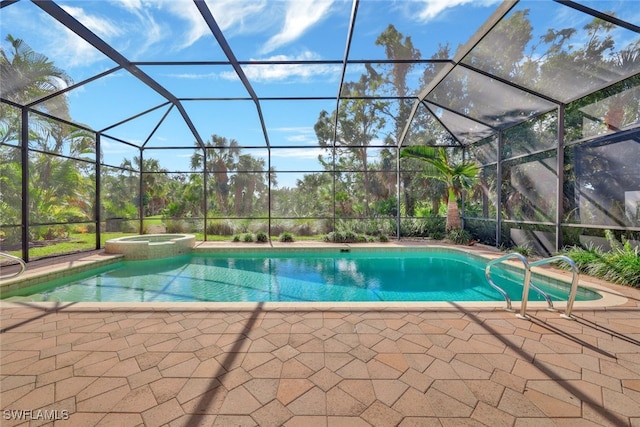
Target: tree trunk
{"x":453,"y":213}
{"x":435,"y":206}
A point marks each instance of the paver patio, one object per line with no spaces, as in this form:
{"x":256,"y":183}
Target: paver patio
{"x":188,"y":366}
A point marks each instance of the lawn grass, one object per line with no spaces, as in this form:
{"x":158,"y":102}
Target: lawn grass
{"x":81,"y":242}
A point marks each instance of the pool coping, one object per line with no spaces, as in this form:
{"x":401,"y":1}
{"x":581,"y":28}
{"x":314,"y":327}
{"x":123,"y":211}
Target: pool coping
{"x":83,"y":262}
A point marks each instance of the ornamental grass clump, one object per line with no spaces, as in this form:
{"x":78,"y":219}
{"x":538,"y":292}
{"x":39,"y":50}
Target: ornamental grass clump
{"x":620,"y":265}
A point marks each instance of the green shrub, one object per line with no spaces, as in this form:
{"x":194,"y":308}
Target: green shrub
{"x":583,"y":257}
{"x":220,"y":228}
{"x":523,"y":250}
{"x":433,"y":227}
{"x":277,"y":228}
{"x":383,"y":238}
{"x":304,"y":228}
{"x":411,"y":227}
{"x":620,"y":265}
{"x":484,"y":231}
{"x":236,"y":238}
{"x":247,"y":237}
{"x":438,"y":235}
{"x":334,"y":237}
{"x":262,"y":237}
{"x":286,"y":237}
{"x":350,"y":237}
{"x":459,"y":236}
{"x":175,"y":226}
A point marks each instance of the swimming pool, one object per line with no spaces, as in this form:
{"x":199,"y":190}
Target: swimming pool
{"x":283,"y":277}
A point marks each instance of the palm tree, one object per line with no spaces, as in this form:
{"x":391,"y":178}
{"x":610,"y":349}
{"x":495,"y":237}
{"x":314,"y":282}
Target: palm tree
{"x":456,"y":176}
{"x":222,"y":157}
{"x":28,"y":76}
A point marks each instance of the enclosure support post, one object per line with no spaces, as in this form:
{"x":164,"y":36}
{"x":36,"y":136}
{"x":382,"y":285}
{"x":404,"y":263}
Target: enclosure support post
{"x":333,"y":174}
{"x":398,"y":193}
{"x":560,"y":173}
{"x":204,"y":190}
{"x":141,"y":195}
{"x":463,"y":192}
{"x":269,"y":192}
{"x":24,"y":146}
{"x":98,"y":202}
{"x":499,"y":191}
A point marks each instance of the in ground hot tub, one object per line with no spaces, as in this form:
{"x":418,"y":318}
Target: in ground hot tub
{"x":151,"y":246}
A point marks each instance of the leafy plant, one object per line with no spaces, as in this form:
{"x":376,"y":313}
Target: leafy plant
{"x":335,"y":237}
{"x":433,"y":227}
{"x":286,"y":237}
{"x":262,"y":237}
{"x":620,"y":265}
{"x":247,"y":237}
{"x":350,"y":237}
{"x":456,"y":176}
{"x":459,"y":236}
{"x":176,"y":226}
{"x":523,"y":250}
{"x":220,"y":227}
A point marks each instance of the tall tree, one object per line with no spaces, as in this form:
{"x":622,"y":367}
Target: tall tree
{"x":249,"y":184}
{"x":359,"y":122}
{"x":60,"y":188}
{"x":28,"y":76}
{"x":221,"y":155}
{"x":397,"y":47}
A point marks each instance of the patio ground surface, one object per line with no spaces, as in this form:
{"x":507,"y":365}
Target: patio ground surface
{"x":257,"y":364}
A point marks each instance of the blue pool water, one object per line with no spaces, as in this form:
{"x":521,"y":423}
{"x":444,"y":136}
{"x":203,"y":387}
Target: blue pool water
{"x":360,"y":276}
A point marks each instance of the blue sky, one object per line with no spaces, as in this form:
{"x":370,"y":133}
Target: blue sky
{"x":163,"y":30}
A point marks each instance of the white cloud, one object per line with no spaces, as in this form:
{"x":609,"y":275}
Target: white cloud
{"x":145,"y":27}
{"x":196,"y":27}
{"x":109,"y":147}
{"x":195,"y":76}
{"x":300,"y":16}
{"x":239,"y":16}
{"x":81,"y":53}
{"x":130,"y":5}
{"x":74,"y":51}
{"x":102,"y":27}
{"x":431,"y":9}
{"x":147,"y":30}
{"x":297,"y":153}
{"x":301,"y":135}
{"x":286,"y":72}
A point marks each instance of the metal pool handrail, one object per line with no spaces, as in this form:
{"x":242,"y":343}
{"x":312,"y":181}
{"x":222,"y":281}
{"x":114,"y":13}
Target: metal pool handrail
{"x":542,"y":293}
{"x":23,"y":266}
{"x":527,"y":275}
{"x":574,"y":280}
